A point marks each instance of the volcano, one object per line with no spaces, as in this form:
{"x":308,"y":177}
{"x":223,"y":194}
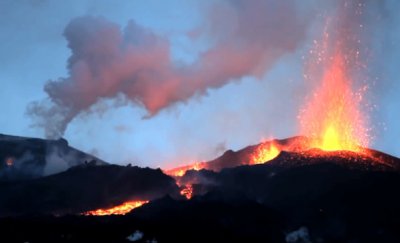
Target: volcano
{"x":27,"y":158}
{"x":294,"y":150}
{"x":298,"y":196}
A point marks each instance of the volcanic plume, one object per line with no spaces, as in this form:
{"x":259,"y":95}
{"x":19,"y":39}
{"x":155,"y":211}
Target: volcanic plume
{"x":134,"y":65}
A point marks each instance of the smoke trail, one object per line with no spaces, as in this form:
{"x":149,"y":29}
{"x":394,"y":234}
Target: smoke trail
{"x":135,"y":64}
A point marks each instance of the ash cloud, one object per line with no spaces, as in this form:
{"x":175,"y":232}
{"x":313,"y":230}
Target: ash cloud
{"x":133,"y":62}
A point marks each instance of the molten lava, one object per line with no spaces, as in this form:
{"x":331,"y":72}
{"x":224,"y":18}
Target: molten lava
{"x":117,"y":210}
{"x":187,"y":191}
{"x":10,"y":161}
{"x":264,"y":153}
{"x":180,"y":171}
{"x":333,"y":118}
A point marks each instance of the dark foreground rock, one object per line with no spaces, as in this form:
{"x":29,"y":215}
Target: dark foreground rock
{"x":84,"y":188}
{"x":322,"y":202}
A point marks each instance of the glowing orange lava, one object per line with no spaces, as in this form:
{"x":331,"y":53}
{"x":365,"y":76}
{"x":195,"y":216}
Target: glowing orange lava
{"x":180,"y":171}
{"x":187,"y":191}
{"x":10,"y":161}
{"x":333,"y":117}
{"x":117,"y":210}
{"x":265,"y":152}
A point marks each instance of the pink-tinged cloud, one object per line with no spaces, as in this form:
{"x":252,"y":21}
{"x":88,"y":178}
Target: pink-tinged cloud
{"x":134,"y":63}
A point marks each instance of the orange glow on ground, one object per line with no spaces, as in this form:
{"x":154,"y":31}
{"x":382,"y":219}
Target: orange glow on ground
{"x":117,"y":210}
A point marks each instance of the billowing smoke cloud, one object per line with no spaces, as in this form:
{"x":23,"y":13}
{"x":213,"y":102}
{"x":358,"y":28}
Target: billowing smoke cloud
{"x":134,"y":64}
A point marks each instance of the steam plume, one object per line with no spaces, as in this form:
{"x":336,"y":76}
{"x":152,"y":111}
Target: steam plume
{"x":109,"y":62}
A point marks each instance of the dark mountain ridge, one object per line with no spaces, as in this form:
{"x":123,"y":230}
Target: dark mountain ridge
{"x":299,"y":196}
{"x":26,"y":158}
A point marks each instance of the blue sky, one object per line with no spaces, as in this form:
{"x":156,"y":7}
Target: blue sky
{"x":241,"y":112}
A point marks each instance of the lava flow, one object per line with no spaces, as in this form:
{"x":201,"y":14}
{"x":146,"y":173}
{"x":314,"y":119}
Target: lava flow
{"x":180,"y":171}
{"x":117,"y":210}
{"x":187,"y":191}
